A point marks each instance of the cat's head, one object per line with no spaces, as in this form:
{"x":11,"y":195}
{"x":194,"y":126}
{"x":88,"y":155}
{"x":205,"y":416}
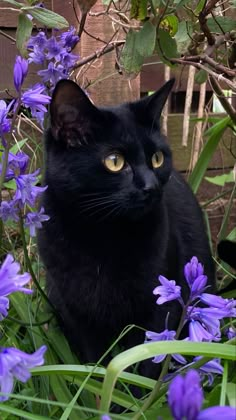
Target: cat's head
{"x":107,"y":162}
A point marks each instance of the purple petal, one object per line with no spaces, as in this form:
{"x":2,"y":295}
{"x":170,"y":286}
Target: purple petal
{"x":217,"y":413}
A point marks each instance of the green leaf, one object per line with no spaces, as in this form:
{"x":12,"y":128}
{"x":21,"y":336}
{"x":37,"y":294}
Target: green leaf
{"x":130,"y":59}
{"x":232,"y":235}
{"x":10,"y":185}
{"x":149,"y":350}
{"x":21,"y":414}
{"x":201,"y":76}
{"x":146,"y":39}
{"x":183,"y":36}
{"x":199,"y":7}
{"x":221,"y":179}
{"x":221,"y":23}
{"x":215,"y":134}
{"x":18,"y":146}
{"x":138,"y":9}
{"x":231,"y":393}
{"x":166,"y":46}
{"x":23,"y":33}
{"x":15,"y":3}
{"x":47,"y":17}
{"x":170,"y":23}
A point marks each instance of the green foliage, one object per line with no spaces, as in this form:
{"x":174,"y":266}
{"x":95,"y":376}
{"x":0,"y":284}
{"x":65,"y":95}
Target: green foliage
{"x":23,"y":33}
{"x":138,"y":9}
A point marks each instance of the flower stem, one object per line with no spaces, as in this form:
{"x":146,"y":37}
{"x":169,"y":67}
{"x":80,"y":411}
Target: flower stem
{"x":152,"y":397}
{"x":29,"y":265}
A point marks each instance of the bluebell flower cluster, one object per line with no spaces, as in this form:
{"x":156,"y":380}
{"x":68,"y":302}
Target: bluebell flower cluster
{"x":26,"y":190}
{"x":25,"y":195}
{"x":14,"y":363}
{"x":204,"y":322}
{"x":56,"y":52}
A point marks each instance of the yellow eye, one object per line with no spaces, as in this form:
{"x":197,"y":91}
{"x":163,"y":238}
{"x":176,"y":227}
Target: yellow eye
{"x":114,"y":162}
{"x":157,"y":159}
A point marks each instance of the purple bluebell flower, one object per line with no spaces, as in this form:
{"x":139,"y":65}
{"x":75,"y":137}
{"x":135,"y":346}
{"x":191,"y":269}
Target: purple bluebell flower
{"x":27,"y":192}
{"x":55,"y":49}
{"x":105,"y":417}
{"x":37,"y":56}
{"x":4,"y":121}
{"x":167,"y":291}
{"x":193,"y":270}
{"x":217,"y":413}
{"x":9,"y":211}
{"x":4,"y":306}
{"x":69,"y":38}
{"x":229,"y":305}
{"x":165,"y":335}
{"x":209,"y":369}
{"x":10,"y":279}
{"x":15,"y":363}
{"x":68,"y":60}
{"x":39,"y":41}
{"x":34,"y":220}
{"x":16,"y":163}
{"x":185,"y":399}
{"x":20,"y":71}
{"x":52,"y":74}
{"x":231,"y":333}
{"x":204,"y":323}
{"x":185,"y":396}
{"x":35,"y":99}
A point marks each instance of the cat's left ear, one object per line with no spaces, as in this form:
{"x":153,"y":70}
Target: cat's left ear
{"x":150,"y":107}
{"x":72,"y":114}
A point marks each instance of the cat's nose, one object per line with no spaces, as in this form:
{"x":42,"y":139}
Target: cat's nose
{"x":150,"y":187}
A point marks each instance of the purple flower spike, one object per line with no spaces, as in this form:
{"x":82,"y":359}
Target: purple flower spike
{"x":34,"y":220}
{"x":168,"y":291}
{"x":192,"y":270}
{"x":165,"y":335}
{"x":10,"y":280}
{"x":20,"y":72}
{"x":185,"y":396}
{"x":15,"y":363}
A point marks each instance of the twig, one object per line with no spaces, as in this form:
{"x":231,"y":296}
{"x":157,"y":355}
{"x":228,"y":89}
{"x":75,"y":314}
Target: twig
{"x":203,"y":21}
{"x":187,"y":107}
{"x":223,"y":100}
{"x":207,"y":69}
{"x":7,"y":36}
{"x":98,"y":53}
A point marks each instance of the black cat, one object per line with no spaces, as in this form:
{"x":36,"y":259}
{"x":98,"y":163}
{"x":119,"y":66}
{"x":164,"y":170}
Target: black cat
{"x":120,"y":215}
{"x":227,"y":252}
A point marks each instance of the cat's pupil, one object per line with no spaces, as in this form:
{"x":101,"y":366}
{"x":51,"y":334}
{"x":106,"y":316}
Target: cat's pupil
{"x":157,"y":159}
{"x":114,"y":162}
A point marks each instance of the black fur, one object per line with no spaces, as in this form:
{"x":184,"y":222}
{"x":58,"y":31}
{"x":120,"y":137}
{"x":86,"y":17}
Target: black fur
{"x":111,"y":234}
{"x":227,"y":252}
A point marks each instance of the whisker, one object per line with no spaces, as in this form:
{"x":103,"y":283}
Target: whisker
{"x":85,"y":206}
{"x":101,"y":207}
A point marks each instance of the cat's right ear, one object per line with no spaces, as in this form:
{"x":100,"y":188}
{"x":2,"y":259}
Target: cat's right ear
{"x":72,"y":114}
